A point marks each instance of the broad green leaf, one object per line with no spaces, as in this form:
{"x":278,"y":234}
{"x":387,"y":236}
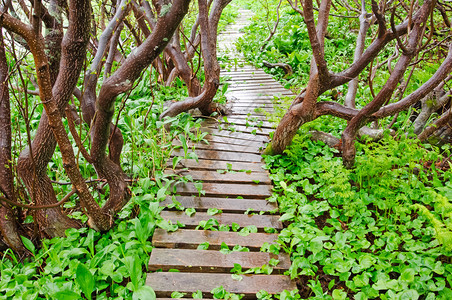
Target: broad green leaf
{"x":85,"y":279}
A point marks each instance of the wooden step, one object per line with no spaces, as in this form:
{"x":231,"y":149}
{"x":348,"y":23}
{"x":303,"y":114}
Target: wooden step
{"x":191,"y":239}
{"x":226,"y":177}
{"x":164,"y":283}
{"x":204,"y":164}
{"x":213,"y":154}
{"x":243,"y":129}
{"x":237,"y":135}
{"x":225,"y":190}
{"x":222,"y":146}
{"x":225,"y":204}
{"x":213,"y":261}
{"x":235,"y":141}
{"x":260,"y":221}
{"x":247,"y":122}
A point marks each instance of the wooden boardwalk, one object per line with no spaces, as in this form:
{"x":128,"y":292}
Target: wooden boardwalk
{"x":238,"y":189}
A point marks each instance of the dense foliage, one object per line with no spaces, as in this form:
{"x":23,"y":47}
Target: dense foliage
{"x":381,"y":230}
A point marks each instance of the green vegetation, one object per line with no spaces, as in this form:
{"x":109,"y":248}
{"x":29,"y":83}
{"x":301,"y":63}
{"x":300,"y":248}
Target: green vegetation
{"x":379,"y":231}
{"x":382,"y":230}
{"x":359,"y":232}
{"x":110,"y":265}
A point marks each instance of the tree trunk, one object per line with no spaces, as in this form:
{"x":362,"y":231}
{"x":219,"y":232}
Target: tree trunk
{"x":8,"y":218}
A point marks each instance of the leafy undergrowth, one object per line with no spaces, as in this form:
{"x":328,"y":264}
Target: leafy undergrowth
{"x":87,"y":264}
{"x":358,"y":233}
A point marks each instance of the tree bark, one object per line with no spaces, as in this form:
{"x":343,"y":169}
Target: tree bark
{"x":349,"y":134}
{"x":8,"y":226}
{"x":119,"y":82}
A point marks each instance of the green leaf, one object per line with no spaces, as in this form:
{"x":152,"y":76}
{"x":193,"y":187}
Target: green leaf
{"x":85,"y":279}
{"x":213,"y":211}
{"x":237,"y":277}
{"x":28,"y":244}
{"x":407,"y":275}
{"x":203,"y":246}
{"x":197,"y":295}
{"x":339,"y":294}
{"x":144,"y":293}
{"x":66,"y":295}
{"x":177,"y":295}
{"x":190,"y":211}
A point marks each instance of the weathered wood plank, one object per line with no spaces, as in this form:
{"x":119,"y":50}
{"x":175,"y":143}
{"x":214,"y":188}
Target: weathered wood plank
{"x":224,"y":176}
{"x":241,"y":79}
{"x":260,"y":221}
{"x":257,"y":93}
{"x":257,"y":88}
{"x":234,"y":141}
{"x":227,"y":205}
{"x":191,"y":239}
{"x":223,"y":146}
{"x":252,"y":105}
{"x":221,"y":155}
{"x":241,"y":128}
{"x":164,"y":283}
{"x":226,"y":190}
{"x":237,"y":135}
{"x":212,"y":261}
{"x":204,"y":164}
{"x":250,"y":122}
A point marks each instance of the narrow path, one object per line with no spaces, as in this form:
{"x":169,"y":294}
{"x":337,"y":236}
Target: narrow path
{"x":230,"y":167}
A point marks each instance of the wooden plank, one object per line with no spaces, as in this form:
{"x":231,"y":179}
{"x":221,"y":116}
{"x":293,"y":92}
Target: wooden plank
{"x":221,"y":155}
{"x":191,"y":239}
{"x":245,"y":79}
{"x":204,"y":164}
{"x":227,"y":205}
{"x":211,"y":261}
{"x":224,"y":177}
{"x":237,"y":135}
{"x":226,"y":190}
{"x":222,"y":146}
{"x":250,"y":112}
{"x":242,"y":102}
{"x":252,"y":104}
{"x":257,"y":93}
{"x":241,"y":128}
{"x":260,"y":221}
{"x":255,"y":98}
{"x":241,"y":70}
{"x":234,"y":141}
{"x":250,"y":122}
{"x":164,"y":283}
{"x":256,"y":87}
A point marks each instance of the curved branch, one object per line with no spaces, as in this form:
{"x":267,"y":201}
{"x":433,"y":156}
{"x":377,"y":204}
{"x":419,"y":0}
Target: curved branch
{"x":380,"y":19}
{"x":445,"y":118}
{"x":38,"y":207}
{"x":92,"y":75}
{"x":317,"y":35}
{"x":443,"y":71}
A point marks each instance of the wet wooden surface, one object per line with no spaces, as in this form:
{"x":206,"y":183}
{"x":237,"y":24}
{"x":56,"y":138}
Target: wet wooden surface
{"x":211,"y":261}
{"x":191,"y":239}
{"x":260,"y":221}
{"x":165,"y":283}
{"x":231,"y":205}
{"x":229,"y":188}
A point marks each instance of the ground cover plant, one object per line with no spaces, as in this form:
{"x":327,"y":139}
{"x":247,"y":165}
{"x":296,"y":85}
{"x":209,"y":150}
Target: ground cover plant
{"x":380,"y":230}
{"x":389,"y":44}
{"x":83,"y":112}
{"x":95,"y":90}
